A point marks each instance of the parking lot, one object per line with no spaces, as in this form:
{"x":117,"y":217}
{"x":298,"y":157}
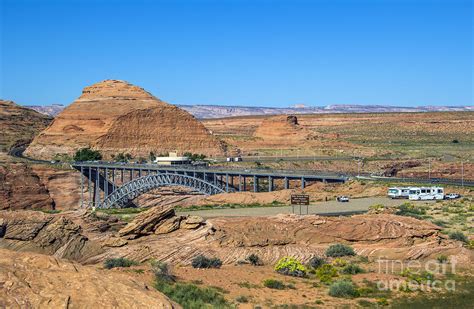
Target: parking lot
{"x":321,"y":208}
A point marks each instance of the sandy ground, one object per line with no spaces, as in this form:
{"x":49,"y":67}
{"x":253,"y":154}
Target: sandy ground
{"x":330,"y":207}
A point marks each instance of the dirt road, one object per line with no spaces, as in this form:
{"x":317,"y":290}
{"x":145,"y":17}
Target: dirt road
{"x":331,"y":207}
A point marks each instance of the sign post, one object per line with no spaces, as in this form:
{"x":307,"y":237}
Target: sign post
{"x":299,"y":200}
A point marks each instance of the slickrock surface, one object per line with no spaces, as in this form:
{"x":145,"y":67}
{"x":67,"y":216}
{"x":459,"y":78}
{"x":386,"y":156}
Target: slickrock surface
{"x":38,"y":232}
{"x":159,"y":234}
{"x":159,"y":220}
{"x":18,"y":124}
{"x":233,"y":239}
{"x":115,"y":116}
{"x":21,"y":188}
{"x":31,"y":280}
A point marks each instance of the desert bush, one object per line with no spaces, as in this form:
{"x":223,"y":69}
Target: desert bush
{"x":274,"y":284}
{"x":254,"y":260}
{"x":410,"y":210}
{"x":326,"y":272}
{"x":162,"y":271}
{"x":352,"y":269}
{"x":418,"y":277}
{"x":242,"y":299}
{"x":191,"y":296}
{"x":201,"y":261}
{"x":442,"y":259}
{"x":342,"y":288}
{"x":458,"y":236}
{"x":338,"y":262}
{"x":339,"y":250}
{"x":316,"y":262}
{"x":118,"y":262}
{"x":291,"y":267}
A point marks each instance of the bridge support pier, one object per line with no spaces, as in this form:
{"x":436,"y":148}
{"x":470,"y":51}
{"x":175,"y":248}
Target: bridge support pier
{"x":302,"y":183}
{"x":82,"y":187}
{"x":255,"y":184}
{"x":287,"y":183}
{"x":270,"y":184}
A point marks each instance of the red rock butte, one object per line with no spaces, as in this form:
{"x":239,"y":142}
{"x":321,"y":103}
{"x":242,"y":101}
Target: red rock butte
{"x":114,"y":116}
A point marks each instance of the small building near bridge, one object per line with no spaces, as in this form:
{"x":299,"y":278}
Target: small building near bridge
{"x":172,"y":159}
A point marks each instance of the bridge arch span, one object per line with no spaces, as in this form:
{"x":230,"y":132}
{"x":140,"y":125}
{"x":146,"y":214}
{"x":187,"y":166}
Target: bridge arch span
{"x":136,"y":187}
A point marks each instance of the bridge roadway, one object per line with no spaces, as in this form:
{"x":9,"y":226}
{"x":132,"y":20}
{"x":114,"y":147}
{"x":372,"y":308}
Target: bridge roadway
{"x":112,"y":184}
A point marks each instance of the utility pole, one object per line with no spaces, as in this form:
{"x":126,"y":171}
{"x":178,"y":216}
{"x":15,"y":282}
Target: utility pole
{"x":462,"y":173}
{"x":429,"y":168}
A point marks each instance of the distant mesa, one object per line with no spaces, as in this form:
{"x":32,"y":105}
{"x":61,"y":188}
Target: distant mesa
{"x":114,"y":116}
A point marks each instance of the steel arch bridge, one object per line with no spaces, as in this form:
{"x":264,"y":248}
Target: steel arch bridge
{"x":122,"y":196}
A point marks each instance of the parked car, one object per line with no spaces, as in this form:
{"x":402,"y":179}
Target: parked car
{"x":342,"y":199}
{"x":452,"y":196}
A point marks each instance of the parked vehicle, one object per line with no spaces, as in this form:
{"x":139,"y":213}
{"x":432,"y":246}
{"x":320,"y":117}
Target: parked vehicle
{"x":343,"y":199}
{"x":396,"y":192}
{"x":426,"y":193}
{"x":452,"y":196}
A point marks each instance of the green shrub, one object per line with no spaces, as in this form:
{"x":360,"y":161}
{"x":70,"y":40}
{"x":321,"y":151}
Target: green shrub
{"x":162,"y":271}
{"x":338,"y":262}
{"x":342,"y":288}
{"x":316,"y":262}
{"x":339,"y":250}
{"x":118,"y":262}
{"x":326,"y":272}
{"x":291,"y":267}
{"x":274,"y":284}
{"x":242,"y":299}
{"x":418,"y":277}
{"x":442,"y":259}
{"x":87,"y":154}
{"x":352,"y":269}
{"x":201,"y":261}
{"x":191,"y":296}
{"x":254,"y":260}
{"x":410,"y":210}
{"x":458,"y":236}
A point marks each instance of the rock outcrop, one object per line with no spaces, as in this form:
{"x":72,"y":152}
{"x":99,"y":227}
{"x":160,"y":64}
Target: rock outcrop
{"x":159,"y":220}
{"x":19,"y":124}
{"x":38,"y":281}
{"x":21,"y":188}
{"x":34,"y":231}
{"x":114,"y":116}
{"x":282,"y":128}
{"x":271,"y":238}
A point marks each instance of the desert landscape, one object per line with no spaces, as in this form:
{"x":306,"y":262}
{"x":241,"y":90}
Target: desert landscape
{"x":236,"y":154}
{"x":226,"y":248}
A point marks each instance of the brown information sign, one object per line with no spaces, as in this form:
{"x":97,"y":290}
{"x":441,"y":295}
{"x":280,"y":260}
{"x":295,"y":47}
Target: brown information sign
{"x":299,"y":199}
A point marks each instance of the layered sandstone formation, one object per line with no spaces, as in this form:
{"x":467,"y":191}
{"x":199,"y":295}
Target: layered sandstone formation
{"x":21,"y":188}
{"x":282,"y":128}
{"x":160,"y":234}
{"x":34,"y":231}
{"x":19,"y":125}
{"x":114,"y":116}
{"x":38,"y":281}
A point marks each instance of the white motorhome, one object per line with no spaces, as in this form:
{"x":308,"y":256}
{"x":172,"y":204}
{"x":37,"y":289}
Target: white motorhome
{"x":396,"y":192}
{"x":426,"y":193}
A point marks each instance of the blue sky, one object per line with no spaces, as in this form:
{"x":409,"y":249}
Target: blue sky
{"x":261,"y":53}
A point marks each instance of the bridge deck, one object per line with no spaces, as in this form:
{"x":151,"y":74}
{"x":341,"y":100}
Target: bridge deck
{"x":293,"y":174}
